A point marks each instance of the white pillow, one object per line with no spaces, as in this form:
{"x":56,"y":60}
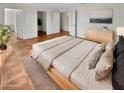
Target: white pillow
{"x":104,"y":65}
{"x":96,"y":53}
{"x":110,"y":46}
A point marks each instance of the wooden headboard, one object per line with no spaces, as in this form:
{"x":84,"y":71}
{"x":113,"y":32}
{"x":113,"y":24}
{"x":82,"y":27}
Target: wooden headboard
{"x":100,"y":36}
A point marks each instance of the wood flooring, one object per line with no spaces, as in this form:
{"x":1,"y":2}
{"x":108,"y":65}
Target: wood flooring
{"x":22,"y":48}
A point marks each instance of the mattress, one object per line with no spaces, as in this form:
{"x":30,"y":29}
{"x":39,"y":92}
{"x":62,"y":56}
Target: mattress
{"x":68,"y":62}
{"x":85,"y":78}
{"x":38,"y":48}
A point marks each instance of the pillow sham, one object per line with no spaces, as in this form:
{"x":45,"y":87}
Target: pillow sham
{"x":110,"y":46}
{"x":96,"y":53}
{"x":104,"y":65}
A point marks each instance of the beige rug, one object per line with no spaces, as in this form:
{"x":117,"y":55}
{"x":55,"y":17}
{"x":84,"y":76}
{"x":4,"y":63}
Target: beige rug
{"x":38,"y":75}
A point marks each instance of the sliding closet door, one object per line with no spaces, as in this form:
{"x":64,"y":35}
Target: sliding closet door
{"x":73,"y":22}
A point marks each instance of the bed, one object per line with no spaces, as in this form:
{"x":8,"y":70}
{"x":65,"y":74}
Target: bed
{"x":66,"y":59}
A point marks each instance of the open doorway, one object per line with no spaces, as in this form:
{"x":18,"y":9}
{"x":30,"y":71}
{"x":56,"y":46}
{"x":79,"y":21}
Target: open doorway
{"x":41,"y":23}
{"x":13,"y":18}
{"x":64,"y":22}
{"x":68,"y":22}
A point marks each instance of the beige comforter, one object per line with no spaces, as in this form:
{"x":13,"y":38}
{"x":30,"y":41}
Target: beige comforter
{"x":70,"y":60}
{"x":47,"y":57}
{"x":38,"y":48}
{"x":85,"y":78}
{"x":74,"y":65}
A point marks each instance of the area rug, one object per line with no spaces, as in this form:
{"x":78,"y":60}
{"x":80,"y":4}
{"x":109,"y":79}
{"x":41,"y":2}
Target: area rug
{"x":38,"y":76}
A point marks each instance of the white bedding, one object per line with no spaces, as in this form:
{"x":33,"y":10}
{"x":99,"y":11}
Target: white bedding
{"x":47,"y":57}
{"x":70,"y":57}
{"x":38,"y":48}
{"x":85,"y":78}
{"x":67,"y":62}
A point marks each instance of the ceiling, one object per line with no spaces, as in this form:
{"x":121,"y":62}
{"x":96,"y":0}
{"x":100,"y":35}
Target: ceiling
{"x":54,"y":5}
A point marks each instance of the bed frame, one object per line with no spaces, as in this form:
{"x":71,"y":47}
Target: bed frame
{"x":61,"y":81}
{"x":66,"y":84}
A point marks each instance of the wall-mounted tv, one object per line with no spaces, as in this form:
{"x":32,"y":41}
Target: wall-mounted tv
{"x":101,"y":16}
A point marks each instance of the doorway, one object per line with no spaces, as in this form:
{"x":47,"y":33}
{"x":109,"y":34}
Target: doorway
{"x":68,"y":22}
{"x":41,"y":23}
{"x":64,"y":21}
{"x":13,"y":18}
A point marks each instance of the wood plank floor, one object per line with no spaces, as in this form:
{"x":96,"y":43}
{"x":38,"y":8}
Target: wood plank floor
{"x":22,"y":48}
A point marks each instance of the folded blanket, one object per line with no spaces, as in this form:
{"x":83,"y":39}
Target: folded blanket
{"x":47,"y":57}
{"x":38,"y":48}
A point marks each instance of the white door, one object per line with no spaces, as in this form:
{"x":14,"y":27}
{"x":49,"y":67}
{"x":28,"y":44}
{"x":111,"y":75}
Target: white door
{"x":56,"y":22}
{"x":72,"y":22}
{"x":19,"y":24}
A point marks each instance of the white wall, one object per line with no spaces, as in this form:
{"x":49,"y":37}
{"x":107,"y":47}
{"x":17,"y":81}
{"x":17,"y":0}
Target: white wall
{"x":1,"y":15}
{"x":30,"y":23}
{"x":64,"y":21}
{"x":29,"y":18}
{"x":84,"y":15}
{"x":10,"y":18}
{"x":53,"y":22}
{"x":19,"y":23}
{"x":49,"y":23}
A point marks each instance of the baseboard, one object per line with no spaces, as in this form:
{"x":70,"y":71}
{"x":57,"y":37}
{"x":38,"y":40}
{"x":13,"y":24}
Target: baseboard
{"x":64,"y":31}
